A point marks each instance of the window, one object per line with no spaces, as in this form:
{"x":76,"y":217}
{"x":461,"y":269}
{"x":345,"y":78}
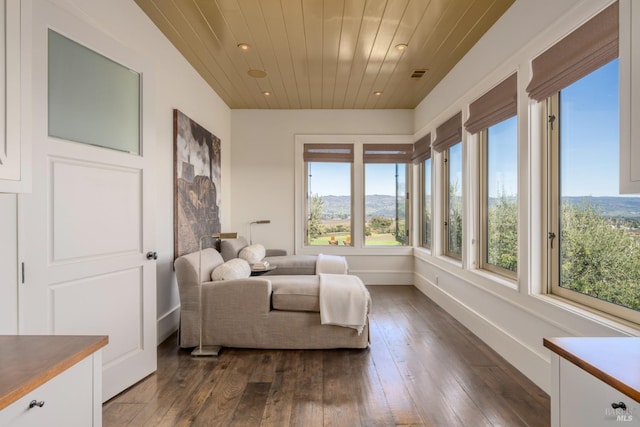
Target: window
{"x":449,"y":142}
{"x":499,"y":198}
{"x":493,"y":118}
{"x":347,"y":186}
{"x":453,"y":201}
{"x":426,"y":203}
{"x":593,"y":233}
{"x":386,"y":196}
{"x":328,"y":171}
{"x":422,"y":157}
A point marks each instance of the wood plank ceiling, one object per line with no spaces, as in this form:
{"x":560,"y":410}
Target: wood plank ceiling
{"x":334,"y":54}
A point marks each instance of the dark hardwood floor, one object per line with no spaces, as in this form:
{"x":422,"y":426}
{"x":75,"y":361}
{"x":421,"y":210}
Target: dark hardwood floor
{"x":423,"y":368}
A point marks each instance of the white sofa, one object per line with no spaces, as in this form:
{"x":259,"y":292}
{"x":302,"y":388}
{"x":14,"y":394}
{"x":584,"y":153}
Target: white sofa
{"x":279,"y":311}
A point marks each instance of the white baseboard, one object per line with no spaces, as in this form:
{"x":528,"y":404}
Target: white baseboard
{"x":168,"y":323}
{"x":384,"y":277}
{"x":533,"y":365}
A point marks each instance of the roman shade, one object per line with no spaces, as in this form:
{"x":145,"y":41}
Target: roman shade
{"x":387,"y":153}
{"x":449,"y":133}
{"x":497,"y":105}
{"x":422,"y":149}
{"x":586,"y":49}
{"x":328,"y":153}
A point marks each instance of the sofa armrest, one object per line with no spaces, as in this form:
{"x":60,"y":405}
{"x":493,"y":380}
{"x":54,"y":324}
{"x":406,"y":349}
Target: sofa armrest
{"x":234,"y":297}
{"x":275,"y":252}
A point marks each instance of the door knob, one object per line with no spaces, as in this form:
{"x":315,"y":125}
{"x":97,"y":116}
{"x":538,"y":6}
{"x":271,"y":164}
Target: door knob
{"x":152,"y":255}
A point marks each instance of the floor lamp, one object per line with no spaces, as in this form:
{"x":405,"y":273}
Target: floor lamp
{"x":203,"y":350}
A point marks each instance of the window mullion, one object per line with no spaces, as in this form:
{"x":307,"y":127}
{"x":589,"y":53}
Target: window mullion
{"x":552,"y":235}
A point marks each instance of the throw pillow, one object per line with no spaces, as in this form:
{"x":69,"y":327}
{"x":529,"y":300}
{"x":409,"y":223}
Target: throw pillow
{"x":233,"y":269}
{"x":253,"y":253}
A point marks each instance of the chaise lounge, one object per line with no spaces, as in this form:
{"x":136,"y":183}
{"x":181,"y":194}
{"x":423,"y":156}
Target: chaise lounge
{"x":277,"y":312}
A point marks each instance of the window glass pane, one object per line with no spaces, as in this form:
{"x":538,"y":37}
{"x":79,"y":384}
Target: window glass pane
{"x":599,"y":228}
{"x":328,"y":203}
{"x":426,"y":204}
{"x":92,"y":99}
{"x":385,"y":204}
{"x":454,"y":201}
{"x":502,"y":195}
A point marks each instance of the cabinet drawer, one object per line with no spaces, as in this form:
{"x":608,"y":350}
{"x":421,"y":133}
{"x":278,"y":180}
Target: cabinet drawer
{"x":587,"y":401}
{"x":68,"y":401}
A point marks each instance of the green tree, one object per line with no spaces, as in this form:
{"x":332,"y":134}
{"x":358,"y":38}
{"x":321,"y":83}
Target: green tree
{"x":599,"y":258}
{"x":380,"y":224}
{"x":315,"y":227}
{"x":454,"y":223}
{"x":503,"y":233}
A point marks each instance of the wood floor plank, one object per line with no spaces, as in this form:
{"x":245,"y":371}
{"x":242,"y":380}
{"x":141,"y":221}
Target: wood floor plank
{"x":400,"y":404}
{"x":226,"y":393}
{"x":423,"y":368}
{"x":279,"y":403}
{"x":307,"y":398}
{"x":251,"y":406}
{"x":339,"y":398}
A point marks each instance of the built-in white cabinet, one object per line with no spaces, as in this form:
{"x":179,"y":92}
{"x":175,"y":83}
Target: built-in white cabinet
{"x":629,"y":96}
{"x":65,"y":400}
{"x":594,"y":381}
{"x":15,"y":141}
{"x":586,"y":401}
{"x":51,"y":380}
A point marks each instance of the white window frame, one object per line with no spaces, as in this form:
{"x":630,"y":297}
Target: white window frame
{"x":358,"y":225}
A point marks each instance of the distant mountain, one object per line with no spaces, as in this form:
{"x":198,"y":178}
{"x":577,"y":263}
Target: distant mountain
{"x":384,"y":205}
{"x":340,"y":206}
{"x":613,"y":207}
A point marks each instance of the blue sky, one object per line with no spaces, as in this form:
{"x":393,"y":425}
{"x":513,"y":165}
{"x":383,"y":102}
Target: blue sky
{"x":334,"y":178}
{"x":590,"y":134}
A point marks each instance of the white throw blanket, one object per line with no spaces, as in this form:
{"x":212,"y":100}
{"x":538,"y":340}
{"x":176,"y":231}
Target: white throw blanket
{"x":344,"y":301}
{"x":331,"y":264}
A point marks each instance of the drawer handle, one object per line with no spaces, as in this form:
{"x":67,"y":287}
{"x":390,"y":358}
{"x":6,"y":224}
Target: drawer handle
{"x":619,"y":405}
{"x":36,"y":403}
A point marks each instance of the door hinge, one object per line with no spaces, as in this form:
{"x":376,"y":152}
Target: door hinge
{"x":22,"y":273}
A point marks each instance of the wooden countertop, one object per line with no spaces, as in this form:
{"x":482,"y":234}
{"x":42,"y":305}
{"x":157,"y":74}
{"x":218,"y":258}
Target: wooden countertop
{"x":28,"y":361}
{"x":613,"y":360}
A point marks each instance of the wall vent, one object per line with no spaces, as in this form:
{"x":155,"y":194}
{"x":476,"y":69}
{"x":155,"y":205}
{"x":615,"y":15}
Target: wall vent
{"x":417,"y":74}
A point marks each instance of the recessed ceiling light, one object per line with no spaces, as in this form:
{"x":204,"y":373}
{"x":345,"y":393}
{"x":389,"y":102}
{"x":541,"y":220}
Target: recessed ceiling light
{"x":257,"y":73}
{"x":377,"y":93}
{"x":402,"y":46}
{"x":243,"y":46}
{"x":266,"y":93}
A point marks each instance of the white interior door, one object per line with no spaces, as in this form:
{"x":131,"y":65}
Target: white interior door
{"x":88,"y":225}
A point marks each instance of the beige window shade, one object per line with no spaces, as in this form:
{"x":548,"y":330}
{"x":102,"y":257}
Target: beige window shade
{"x":497,"y":105}
{"x":422,"y":149}
{"x":449,"y":133}
{"x":387,"y":153}
{"x":586,"y":49}
{"x":328,"y":153}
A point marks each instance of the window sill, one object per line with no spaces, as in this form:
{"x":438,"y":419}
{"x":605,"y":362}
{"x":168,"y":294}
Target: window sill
{"x":619,"y":325}
{"x":352,"y":250}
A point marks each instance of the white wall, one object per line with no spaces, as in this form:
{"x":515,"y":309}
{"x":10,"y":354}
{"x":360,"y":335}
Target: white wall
{"x":512,"y":321}
{"x":8,"y":264}
{"x":262,"y":173}
{"x":175,"y":85}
